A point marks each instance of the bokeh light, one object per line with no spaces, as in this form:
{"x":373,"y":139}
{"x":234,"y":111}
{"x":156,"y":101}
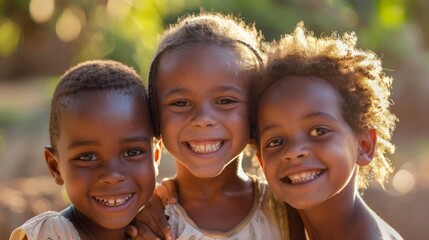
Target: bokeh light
{"x":41,"y":10}
{"x":68,"y":26}
{"x":9,"y":37}
{"x":403,"y":181}
{"x":119,"y":9}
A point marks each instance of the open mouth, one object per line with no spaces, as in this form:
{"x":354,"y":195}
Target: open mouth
{"x":205,"y":146}
{"x":302,"y":177}
{"x":114,"y":201}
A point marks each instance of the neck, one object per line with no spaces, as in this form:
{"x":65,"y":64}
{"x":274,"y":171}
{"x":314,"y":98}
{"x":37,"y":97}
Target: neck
{"x":89,"y":229}
{"x":230,"y":180}
{"x":332,"y":218}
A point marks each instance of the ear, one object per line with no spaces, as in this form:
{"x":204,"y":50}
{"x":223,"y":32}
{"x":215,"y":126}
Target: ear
{"x":367,"y":142}
{"x":258,"y":155}
{"x":157,"y":152}
{"x":53,"y":165}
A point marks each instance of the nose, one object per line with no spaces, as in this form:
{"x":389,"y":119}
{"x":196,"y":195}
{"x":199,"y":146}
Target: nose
{"x":112,"y":172}
{"x":204,"y":116}
{"x":296,"y":151}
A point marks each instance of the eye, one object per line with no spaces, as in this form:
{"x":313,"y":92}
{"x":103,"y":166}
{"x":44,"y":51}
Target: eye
{"x":275,"y":143}
{"x":133,"y":152}
{"x":180,"y":103}
{"x":226,"y":101}
{"x":319,"y":131}
{"x":87,"y":157}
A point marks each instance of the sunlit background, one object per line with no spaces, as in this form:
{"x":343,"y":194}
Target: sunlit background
{"x":40,"y":39}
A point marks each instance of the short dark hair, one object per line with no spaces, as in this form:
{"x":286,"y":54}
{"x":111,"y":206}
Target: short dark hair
{"x":211,"y":29}
{"x":92,"y":76}
{"x":355,"y":73}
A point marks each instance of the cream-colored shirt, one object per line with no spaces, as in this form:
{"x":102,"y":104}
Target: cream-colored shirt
{"x":46,"y":226}
{"x":267,"y":220}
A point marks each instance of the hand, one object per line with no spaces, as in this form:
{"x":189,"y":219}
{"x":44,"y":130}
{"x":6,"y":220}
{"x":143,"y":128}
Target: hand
{"x":150,"y":222}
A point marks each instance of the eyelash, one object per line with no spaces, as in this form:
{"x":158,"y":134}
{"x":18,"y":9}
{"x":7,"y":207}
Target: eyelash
{"x":180,"y":103}
{"x":139,"y":152}
{"x":323,"y":129}
{"x":226,"y":101}
{"x":279,"y":141}
{"x":274,"y":143}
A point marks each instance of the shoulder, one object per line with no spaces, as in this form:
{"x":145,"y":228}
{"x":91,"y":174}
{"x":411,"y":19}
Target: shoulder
{"x":48,"y":225}
{"x":370,"y":226}
{"x":385,"y":230}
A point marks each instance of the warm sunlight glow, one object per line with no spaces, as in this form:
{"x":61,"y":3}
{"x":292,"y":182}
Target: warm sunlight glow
{"x":403,"y":181}
{"x":119,"y":8}
{"x":41,"y":10}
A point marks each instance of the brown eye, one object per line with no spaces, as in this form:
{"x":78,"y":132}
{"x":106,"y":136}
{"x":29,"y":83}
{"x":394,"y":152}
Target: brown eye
{"x":319,"y":131}
{"x":133,"y":152}
{"x":275,"y":142}
{"x":87,"y":157}
{"x":180,"y":103}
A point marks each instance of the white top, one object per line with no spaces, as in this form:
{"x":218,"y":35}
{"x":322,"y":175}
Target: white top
{"x":48,"y":225}
{"x":266,"y":220}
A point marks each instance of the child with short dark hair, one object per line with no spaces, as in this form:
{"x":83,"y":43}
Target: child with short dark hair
{"x":324,"y":128}
{"x":101,"y":149}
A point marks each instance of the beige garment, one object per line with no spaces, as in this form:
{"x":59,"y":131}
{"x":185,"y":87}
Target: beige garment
{"x":266,"y":220}
{"x":46,"y":226}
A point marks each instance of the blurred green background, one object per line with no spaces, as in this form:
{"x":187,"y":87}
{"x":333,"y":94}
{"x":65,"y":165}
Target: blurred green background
{"x":40,"y":39}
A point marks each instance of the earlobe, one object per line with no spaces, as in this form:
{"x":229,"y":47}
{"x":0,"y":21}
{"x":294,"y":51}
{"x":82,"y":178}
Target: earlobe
{"x":368,"y":140}
{"x":157,"y":152}
{"x":53,"y":166}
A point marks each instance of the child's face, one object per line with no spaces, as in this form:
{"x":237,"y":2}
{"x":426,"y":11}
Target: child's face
{"x":203,"y":101}
{"x":105,"y":156}
{"x":308,"y":150}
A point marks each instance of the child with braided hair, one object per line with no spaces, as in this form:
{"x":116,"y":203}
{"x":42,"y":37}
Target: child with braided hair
{"x":200,"y":87}
{"x":324,"y":130}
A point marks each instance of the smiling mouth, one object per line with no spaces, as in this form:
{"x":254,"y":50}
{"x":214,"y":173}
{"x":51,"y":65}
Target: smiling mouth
{"x":114,"y":201}
{"x":205,"y":146}
{"x":303,"y":177}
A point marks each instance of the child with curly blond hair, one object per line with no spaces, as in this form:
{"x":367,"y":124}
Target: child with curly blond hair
{"x":324,"y":129}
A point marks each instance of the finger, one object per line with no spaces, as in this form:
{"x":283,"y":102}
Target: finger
{"x":143,"y":232}
{"x":160,"y":220}
{"x":132,"y":231}
{"x":171,"y":188}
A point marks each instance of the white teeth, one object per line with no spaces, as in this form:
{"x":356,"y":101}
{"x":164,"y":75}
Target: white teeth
{"x":113,"y":202}
{"x":304,"y":176}
{"x":208,"y":147}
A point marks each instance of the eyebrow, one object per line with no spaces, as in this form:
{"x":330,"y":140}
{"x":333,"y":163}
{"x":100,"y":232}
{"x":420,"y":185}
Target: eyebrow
{"x":320,"y":115}
{"x":135,"y":139}
{"x":82,"y":143}
{"x":308,"y":116}
{"x":179,"y":90}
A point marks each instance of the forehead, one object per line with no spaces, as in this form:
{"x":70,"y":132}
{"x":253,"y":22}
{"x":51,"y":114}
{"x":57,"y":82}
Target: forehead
{"x":104,"y":107}
{"x":300,"y":96}
{"x":201,"y":67}
{"x":210,"y":58}
{"x":305,"y":87}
